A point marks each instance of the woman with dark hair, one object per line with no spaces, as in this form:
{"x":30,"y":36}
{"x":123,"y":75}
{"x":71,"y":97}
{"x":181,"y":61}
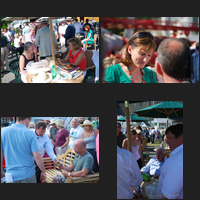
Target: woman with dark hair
{"x":137,"y":54}
{"x":27,"y":56}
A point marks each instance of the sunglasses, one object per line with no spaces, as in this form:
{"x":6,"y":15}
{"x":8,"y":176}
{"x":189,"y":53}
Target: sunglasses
{"x":143,"y":35}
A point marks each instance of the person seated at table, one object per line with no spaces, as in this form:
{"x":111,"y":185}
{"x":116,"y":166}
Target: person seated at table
{"x":153,"y":167}
{"x":76,"y":56}
{"x":89,"y":37}
{"x":27,"y":56}
{"x":81,"y":166}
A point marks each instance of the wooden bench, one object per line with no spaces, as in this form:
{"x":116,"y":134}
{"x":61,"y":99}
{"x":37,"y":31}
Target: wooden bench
{"x":66,"y":159}
{"x":52,"y":169}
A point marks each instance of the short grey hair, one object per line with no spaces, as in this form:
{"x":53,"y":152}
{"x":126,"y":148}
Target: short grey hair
{"x":162,"y":149}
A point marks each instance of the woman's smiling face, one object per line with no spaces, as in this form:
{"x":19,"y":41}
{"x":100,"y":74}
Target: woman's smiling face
{"x":139,"y":56}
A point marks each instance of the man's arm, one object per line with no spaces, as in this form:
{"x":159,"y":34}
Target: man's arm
{"x":39,"y":161}
{"x":2,"y":172}
{"x":82,"y":173}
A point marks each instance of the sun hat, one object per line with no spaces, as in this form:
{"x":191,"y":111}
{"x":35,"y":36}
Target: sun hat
{"x":53,"y":121}
{"x":87,"y":123}
{"x":44,"y":21}
{"x":60,"y":123}
{"x":68,"y":18}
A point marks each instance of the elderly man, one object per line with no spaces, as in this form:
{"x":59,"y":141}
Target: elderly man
{"x":174,"y":61}
{"x":43,"y":39}
{"x":20,"y":148}
{"x":153,"y":167}
{"x":44,"y":144}
{"x":75,"y":132}
{"x":81,"y":166}
{"x":170,"y":184}
{"x":53,"y":131}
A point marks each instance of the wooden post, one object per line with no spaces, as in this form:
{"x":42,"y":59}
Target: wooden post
{"x":52,"y":41}
{"x":128,"y":125}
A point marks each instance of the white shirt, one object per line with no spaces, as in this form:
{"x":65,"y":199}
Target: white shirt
{"x":44,"y":143}
{"x":61,"y":30}
{"x":75,"y":134}
{"x":17,"y":42}
{"x":128,"y":174}
{"x":170,"y":182}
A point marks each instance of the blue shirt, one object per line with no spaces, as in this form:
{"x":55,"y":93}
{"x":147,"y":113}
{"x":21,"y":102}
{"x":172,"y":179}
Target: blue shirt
{"x":18,"y":144}
{"x":153,"y":166}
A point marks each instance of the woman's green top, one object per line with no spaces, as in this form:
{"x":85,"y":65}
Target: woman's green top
{"x":115,"y":74}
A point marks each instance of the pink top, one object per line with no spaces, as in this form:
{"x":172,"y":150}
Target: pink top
{"x":60,"y":137}
{"x":97,"y":147}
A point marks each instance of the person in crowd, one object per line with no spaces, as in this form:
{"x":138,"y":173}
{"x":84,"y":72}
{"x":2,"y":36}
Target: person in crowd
{"x":18,"y":44}
{"x":170,"y":183}
{"x":62,"y":138}
{"x":30,"y":37}
{"x":173,"y":61}
{"x":153,"y":167}
{"x":96,"y":123}
{"x":97,"y":147}
{"x":81,"y":120}
{"x":120,"y":135}
{"x":152,"y":135}
{"x":89,"y":39}
{"x":81,"y":165}
{"x":25,"y":31}
{"x":47,"y":122}
{"x":136,"y":147}
{"x":131,"y":69}
{"x":164,"y":143}
{"x":61,"y":31}
{"x":53,"y":131}
{"x":140,"y":137}
{"x":75,"y":132}
{"x":70,"y":31}
{"x":76,"y":56}
{"x":4,"y":52}
{"x":89,"y":135}
{"x":128,"y":174}
{"x":27,"y":56}
{"x":43,"y":40}
{"x":78,"y":27}
{"x":20,"y":149}
{"x":31,"y":125}
{"x":87,"y":24}
{"x":44,"y":144}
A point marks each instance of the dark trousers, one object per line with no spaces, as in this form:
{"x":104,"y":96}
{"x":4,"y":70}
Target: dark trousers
{"x":139,"y":161}
{"x":94,"y":155}
{"x":38,"y":173}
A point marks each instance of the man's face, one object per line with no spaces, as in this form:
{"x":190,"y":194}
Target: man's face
{"x":40,"y":131}
{"x":54,"y":125}
{"x":77,"y":148}
{"x":160,"y":156}
{"x":174,"y":142}
{"x":75,"y":123}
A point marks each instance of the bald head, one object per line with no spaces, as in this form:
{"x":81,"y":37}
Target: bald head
{"x":174,"y":57}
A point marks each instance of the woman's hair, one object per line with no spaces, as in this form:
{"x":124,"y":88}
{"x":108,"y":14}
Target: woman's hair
{"x":147,"y":43}
{"x":27,"y":45}
{"x":133,"y":132}
{"x":31,"y":125}
{"x":75,"y":42}
{"x":32,"y":28}
{"x":88,"y":27}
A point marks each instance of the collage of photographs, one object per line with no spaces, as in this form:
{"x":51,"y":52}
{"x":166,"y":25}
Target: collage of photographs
{"x":99,"y":51}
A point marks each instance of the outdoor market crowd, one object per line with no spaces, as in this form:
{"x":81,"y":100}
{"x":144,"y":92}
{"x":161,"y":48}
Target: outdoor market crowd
{"x":25,"y":144}
{"x":34,"y":39}
{"x":131,"y":170}
{"x":148,"y":59}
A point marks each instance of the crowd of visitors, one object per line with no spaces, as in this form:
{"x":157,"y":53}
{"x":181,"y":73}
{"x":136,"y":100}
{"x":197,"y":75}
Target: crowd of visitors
{"x":168,"y":171}
{"x":24,"y":144}
{"x":34,"y":40}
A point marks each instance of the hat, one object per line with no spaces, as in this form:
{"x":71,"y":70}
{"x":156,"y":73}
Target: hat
{"x":47,"y":121}
{"x":87,"y":123}
{"x":44,"y":21}
{"x":53,"y":121}
{"x":68,"y":18}
{"x":60,"y":122}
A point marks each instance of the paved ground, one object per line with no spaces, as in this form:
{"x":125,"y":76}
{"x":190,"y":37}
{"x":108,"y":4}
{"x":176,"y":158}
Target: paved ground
{"x":8,"y":77}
